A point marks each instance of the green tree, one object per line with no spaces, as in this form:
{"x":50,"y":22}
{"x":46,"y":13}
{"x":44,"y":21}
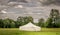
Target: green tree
{"x":20,"y":21}
{"x":30,"y":19}
{"x":49,"y":23}
{"x":41,"y":22}
{"x":54,"y":15}
{"x":12,"y":25}
{"x":1,"y":23}
{"x":57,"y":23}
{"x":24,"y":20}
{"x":8,"y":23}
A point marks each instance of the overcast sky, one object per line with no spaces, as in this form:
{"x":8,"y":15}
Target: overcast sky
{"x":35,"y":8}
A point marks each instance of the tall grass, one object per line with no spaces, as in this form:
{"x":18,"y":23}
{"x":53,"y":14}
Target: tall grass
{"x":16,"y":31}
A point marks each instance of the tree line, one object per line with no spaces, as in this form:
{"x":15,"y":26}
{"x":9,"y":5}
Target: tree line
{"x":53,"y":21}
{"x":9,"y":23}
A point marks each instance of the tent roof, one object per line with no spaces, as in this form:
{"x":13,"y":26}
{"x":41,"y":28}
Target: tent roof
{"x":29,"y":25}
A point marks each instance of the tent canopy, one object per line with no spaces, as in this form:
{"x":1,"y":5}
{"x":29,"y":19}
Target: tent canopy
{"x":30,"y":27}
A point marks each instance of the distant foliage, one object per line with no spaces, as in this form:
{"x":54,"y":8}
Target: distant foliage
{"x":9,"y":23}
{"x":24,"y":20}
{"x":41,"y":22}
{"x":53,"y":19}
{"x":1,"y":23}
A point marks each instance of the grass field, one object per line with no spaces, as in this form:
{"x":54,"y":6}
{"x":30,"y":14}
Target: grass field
{"x":16,"y":31}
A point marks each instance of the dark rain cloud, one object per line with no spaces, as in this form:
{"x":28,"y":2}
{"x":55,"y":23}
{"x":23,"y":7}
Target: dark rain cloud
{"x":18,"y":1}
{"x":49,"y":2}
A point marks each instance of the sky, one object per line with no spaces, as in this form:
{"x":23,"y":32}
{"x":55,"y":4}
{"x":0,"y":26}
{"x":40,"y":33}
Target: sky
{"x":35,"y":8}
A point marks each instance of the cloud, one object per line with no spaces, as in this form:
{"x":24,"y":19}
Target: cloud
{"x":18,"y":1}
{"x":19,"y":6}
{"x":3,"y":11}
{"x":49,"y":2}
{"x":4,"y":2}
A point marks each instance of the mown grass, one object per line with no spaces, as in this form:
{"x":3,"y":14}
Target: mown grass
{"x":16,"y":31}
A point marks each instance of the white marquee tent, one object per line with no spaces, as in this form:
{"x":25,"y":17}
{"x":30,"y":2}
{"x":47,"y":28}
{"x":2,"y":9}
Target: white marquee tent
{"x":30,"y":27}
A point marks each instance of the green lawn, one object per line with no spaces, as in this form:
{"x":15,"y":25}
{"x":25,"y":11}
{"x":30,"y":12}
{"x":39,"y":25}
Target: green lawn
{"x":16,"y":31}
